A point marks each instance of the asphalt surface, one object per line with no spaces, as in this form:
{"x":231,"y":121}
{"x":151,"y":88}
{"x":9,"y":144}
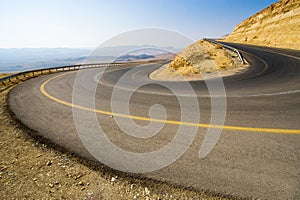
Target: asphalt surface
{"x":256,"y":156}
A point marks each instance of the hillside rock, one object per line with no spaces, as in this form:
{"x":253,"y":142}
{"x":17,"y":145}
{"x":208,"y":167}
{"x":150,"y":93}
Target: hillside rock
{"x":277,"y":26}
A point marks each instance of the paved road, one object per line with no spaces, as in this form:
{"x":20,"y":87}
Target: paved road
{"x":256,"y":156}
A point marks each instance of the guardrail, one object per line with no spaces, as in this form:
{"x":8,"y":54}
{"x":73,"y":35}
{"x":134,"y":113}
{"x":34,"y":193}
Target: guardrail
{"x":33,"y":73}
{"x":227,"y":47}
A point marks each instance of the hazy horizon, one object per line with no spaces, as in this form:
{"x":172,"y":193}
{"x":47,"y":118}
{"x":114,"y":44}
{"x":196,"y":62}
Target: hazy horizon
{"x":21,"y":59}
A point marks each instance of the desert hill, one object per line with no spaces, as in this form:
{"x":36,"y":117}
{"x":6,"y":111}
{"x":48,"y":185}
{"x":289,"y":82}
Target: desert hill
{"x":197,"y":59}
{"x":277,"y":26}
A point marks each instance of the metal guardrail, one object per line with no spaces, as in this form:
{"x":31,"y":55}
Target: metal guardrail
{"x":227,"y":47}
{"x":19,"y":76}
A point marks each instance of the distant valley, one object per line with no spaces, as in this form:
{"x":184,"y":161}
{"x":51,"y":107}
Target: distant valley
{"x":21,"y":59}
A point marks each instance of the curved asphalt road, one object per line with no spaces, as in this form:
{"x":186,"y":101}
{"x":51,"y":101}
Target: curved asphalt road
{"x":256,"y":156}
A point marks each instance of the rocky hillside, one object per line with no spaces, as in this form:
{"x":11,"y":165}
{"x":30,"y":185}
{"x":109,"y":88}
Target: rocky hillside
{"x":278,"y":26}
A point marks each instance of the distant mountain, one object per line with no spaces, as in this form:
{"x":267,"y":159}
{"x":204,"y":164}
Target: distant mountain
{"x":133,"y":57}
{"x":20,"y":59}
{"x":121,"y":50}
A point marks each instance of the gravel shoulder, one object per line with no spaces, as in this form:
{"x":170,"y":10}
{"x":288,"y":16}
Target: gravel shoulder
{"x":32,"y":168}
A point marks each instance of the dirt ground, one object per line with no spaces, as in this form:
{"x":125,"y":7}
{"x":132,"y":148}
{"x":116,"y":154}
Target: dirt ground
{"x":32,"y":168}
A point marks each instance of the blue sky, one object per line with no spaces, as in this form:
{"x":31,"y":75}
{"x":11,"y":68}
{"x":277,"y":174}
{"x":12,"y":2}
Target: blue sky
{"x":88,"y":23}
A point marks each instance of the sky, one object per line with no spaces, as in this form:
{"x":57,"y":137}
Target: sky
{"x":88,"y":23}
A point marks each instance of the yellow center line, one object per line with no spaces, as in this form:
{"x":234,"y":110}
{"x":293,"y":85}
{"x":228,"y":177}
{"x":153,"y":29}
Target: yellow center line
{"x":233,"y":128}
